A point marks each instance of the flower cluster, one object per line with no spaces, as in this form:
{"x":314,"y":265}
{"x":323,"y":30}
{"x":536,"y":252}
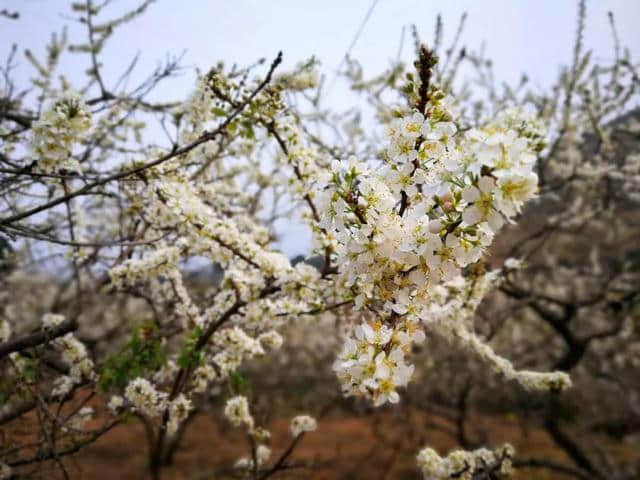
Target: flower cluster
{"x":56,"y":132}
{"x":433,"y":208}
{"x":237,"y":412}
{"x":406,"y":227}
{"x":373,"y":364}
{"x":51,"y":320}
{"x":304,"y":77}
{"x":179,"y":409}
{"x":235,"y":345}
{"x":463,"y":464}
{"x":79,"y":419}
{"x":145,"y":398}
{"x":262,"y":454}
{"x":74,"y":354}
{"x":116,"y":402}
{"x":302,"y":424}
{"x":156,"y":263}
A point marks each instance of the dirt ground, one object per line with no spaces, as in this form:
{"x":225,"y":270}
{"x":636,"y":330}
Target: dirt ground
{"x":381,"y":445}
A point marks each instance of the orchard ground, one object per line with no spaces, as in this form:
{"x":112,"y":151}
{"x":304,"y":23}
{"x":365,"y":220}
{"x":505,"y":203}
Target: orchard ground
{"x":379,"y":444}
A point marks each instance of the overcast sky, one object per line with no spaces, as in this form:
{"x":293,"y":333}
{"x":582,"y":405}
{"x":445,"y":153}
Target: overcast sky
{"x":534,"y":36}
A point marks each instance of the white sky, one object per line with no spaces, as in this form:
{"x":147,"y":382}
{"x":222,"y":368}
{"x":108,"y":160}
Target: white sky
{"x":533,"y":36}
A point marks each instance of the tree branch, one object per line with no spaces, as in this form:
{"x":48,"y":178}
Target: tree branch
{"x":37,"y":338}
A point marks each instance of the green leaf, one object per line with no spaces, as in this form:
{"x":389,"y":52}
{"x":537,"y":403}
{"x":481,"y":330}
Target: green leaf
{"x":248,"y":131}
{"x":189,"y":355}
{"x":232,"y":128}
{"x":143,"y":354}
{"x":240,"y":383}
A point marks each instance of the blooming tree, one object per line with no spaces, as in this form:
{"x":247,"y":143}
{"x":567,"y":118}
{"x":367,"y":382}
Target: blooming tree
{"x":569,"y":300}
{"x":402,"y":226}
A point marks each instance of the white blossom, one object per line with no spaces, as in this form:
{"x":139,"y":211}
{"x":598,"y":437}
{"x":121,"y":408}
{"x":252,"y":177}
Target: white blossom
{"x":237,"y":412}
{"x":302,"y":424}
{"x":145,"y":397}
